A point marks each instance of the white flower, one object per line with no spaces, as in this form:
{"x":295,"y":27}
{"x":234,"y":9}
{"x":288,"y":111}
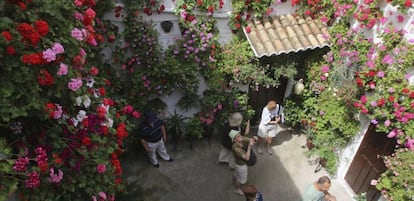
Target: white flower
{"x":109,"y":123}
{"x":90,"y":82}
{"x":75,"y":122}
{"x":86,"y":101}
{"x":81,"y":115}
{"x":78,"y":100}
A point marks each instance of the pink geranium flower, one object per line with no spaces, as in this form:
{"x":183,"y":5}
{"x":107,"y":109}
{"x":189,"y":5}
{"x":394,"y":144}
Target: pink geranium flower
{"x":55,"y":178}
{"x":58,"y":48}
{"x":363,"y":99}
{"x":400,"y":18}
{"x":75,"y":84}
{"x":325,"y":69}
{"x":410,"y":144}
{"x":78,"y":34}
{"x":102,"y":195}
{"x":63,"y":69}
{"x":49,"y":55}
{"x":101,"y":168}
{"x":388,"y":59}
{"x":392,"y":134}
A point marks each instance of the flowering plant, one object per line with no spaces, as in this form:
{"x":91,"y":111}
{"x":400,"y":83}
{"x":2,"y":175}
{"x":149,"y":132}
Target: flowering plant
{"x":402,"y":5}
{"x":243,"y":11}
{"x":380,"y":72}
{"x":137,"y":54}
{"x":208,"y":6}
{"x":63,"y":133}
{"x":396,"y":182}
{"x":147,"y":6}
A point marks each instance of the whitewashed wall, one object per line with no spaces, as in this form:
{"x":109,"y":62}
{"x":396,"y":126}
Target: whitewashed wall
{"x":166,"y":39}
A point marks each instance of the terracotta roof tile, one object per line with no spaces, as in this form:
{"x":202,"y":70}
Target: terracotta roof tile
{"x":274,"y":35}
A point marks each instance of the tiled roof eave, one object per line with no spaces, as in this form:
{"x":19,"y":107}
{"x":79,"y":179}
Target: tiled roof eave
{"x":275,"y":35}
{"x":251,"y":44}
{"x":269,"y":54}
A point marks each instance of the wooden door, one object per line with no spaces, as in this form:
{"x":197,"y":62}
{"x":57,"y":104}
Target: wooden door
{"x":367,"y":164}
{"x":258,"y":99}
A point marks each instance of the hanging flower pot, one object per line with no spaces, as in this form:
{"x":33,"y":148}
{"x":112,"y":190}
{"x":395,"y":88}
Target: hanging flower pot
{"x":299,"y":86}
{"x":166,"y":26}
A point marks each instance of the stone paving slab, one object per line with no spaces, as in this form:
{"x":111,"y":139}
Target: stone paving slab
{"x":194,"y":175}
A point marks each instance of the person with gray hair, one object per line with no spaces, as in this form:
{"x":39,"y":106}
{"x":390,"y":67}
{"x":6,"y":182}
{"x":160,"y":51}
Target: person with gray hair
{"x":234,"y":123}
{"x":242,"y":150}
{"x":317,"y":190}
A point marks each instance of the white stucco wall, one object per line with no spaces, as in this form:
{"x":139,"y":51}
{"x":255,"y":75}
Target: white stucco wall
{"x":166,"y":39}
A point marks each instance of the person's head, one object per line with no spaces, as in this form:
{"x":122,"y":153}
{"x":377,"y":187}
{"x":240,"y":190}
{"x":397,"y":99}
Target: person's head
{"x":235,"y":119}
{"x":249,"y":191}
{"x":323,"y":183}
{"x":329,"y":197}
{"x":271,"y":105}
{"x":150,"y":116}
{"x":235,"y":136}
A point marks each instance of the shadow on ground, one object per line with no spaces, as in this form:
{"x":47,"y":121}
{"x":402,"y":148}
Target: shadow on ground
{"x":194,"y":176}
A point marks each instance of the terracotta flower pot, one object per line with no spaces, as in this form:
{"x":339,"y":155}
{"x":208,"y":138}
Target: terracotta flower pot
{"x":309,"y":144}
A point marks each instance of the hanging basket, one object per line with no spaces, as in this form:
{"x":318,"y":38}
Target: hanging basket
{"x":166,"y":26}
{"x":299,"y":86}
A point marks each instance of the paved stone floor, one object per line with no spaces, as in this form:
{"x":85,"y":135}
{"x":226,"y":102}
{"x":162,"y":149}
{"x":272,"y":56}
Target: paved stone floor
{"x":194,"y":175}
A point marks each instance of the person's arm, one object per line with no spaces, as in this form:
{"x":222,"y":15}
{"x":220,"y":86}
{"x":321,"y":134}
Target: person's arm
{"x":247,"y":130}
{"x":144,"y":144}
{"x":164,"y":133}
{"x":246,"y":156}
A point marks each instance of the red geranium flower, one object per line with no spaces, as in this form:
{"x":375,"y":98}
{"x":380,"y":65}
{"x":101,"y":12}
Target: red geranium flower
{"x":45,"y":78}
{"x":10,"y":50}
{"x":94,"y":71}
{"x":371,"y":73}
{"x":405,"y":90}
{"x":210,"y":9}
{"x":359,"y":82}
{"x":408,"y":3}
{"x":7,"y":35}
{"x":381,"y":102}
{"x":248,"y":29}
{"x":33,"y":38}
{"x":42,"y":27}
{"x":57,"y":159}
{"x":22,"y":5}
{"x":102,"y":91}
{"x":199,"y":2}
{"x":50,"y":109}
{"x":107,"y":101}
{"x":86,"y":141}
{"x":33,"y":59}
{"x":101,"y":111}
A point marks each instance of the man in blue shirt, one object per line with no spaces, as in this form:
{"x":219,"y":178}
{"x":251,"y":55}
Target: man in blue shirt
{"x":317,"y":190}
{"x":153,"y":136}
